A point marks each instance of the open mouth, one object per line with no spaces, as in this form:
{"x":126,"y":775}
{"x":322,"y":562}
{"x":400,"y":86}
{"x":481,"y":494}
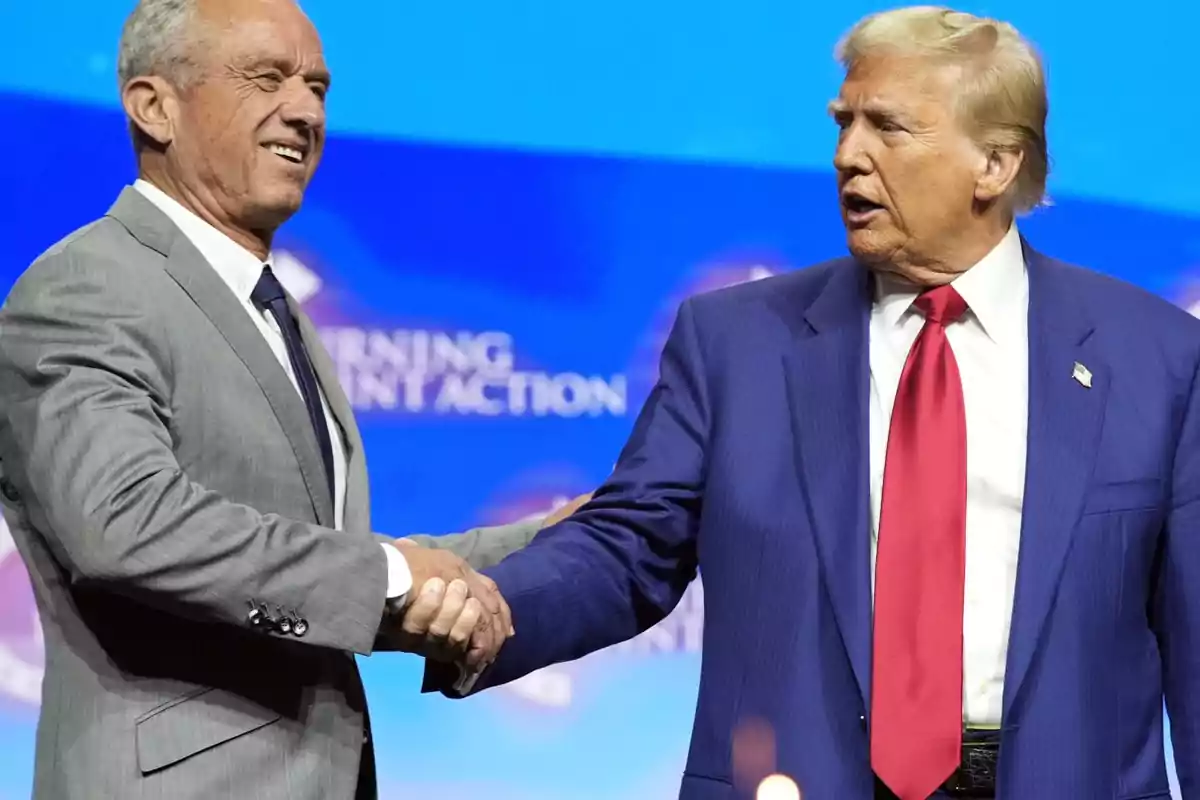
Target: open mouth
{"x":288,"y":152}
{"x":859,"y":208}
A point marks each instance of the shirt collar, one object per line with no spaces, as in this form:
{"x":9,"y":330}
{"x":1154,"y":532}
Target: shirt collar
{"x":238,"y":267}
{"x":996,"y":290}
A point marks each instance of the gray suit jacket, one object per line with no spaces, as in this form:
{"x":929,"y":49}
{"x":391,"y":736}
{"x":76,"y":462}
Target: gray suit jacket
{"x":160,"y":478}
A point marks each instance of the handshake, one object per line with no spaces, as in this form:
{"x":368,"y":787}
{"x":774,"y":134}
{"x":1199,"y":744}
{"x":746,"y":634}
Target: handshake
{"x":452,"y":614}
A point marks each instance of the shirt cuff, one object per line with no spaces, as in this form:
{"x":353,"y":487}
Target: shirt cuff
{"x":399,"y":576}
{"x":466,"y":680}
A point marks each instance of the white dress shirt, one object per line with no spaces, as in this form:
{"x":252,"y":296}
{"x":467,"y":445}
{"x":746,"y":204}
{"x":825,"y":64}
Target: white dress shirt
{"x":991,"y":345}
{"x":240,"y":270}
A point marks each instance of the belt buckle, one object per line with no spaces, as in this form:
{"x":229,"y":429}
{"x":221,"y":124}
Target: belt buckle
{"x":976,"y":774}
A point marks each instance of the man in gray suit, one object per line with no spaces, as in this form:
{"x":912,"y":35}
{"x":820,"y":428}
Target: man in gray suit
{"x":179,"y":468}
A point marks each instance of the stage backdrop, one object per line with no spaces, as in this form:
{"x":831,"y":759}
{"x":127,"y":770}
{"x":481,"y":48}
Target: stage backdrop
{"x":514,"y":201}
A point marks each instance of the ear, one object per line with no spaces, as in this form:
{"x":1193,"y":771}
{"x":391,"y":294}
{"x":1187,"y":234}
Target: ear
{"x":152,"y":105}
{"x":998,"y":174}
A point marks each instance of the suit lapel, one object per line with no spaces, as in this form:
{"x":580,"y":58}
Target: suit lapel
{"x":827,"y":377}
{"x":357,"y":509}
{"x":1065,"y":419}
{"x":206,"y":289}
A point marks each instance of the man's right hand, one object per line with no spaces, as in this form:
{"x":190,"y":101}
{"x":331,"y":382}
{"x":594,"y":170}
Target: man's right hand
{"x":452,"y":612}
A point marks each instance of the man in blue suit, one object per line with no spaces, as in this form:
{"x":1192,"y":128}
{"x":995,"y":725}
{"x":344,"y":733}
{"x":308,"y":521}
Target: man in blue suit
{"x":945,"y":494}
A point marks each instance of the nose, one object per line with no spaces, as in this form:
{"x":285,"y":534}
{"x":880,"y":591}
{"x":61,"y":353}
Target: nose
{"x":851,"y":153}
{"x":303,"y":108}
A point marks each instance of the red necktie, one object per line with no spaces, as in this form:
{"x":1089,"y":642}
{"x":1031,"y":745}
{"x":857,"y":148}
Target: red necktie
{"x":916,"y":691}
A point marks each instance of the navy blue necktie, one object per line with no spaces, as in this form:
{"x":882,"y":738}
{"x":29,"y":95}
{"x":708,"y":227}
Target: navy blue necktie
{"x":268,"y":295}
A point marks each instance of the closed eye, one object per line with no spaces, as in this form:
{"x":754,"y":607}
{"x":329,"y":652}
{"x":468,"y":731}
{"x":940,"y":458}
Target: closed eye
{"x":269,"y":80}
{"x":886,"y":121}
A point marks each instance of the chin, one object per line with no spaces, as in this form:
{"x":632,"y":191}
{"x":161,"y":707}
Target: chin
{"x":867,"y":248}
{"x":274,"y":209}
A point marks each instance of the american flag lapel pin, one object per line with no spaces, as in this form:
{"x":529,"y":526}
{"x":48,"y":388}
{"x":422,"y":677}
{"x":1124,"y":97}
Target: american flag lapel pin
{"x":1083,"y":375}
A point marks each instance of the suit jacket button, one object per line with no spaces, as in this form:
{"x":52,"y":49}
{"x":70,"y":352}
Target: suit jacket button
{"x":285,"y":625}
{"x":300,"y":627}
{"x":8,"y":490}
{"x":255,"y":616}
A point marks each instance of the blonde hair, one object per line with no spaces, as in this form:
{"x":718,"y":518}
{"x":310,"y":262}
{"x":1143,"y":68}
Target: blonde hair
{"x":1003,"y":91}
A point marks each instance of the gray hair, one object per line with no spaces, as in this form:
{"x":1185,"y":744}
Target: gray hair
{"x":156,"y":41}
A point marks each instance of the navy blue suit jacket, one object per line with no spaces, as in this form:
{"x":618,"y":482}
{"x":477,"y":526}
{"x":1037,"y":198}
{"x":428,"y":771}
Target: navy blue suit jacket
{"x":749,"y":462}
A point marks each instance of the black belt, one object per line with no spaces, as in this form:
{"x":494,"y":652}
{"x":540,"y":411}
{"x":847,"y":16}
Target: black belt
{"x":975,"y":778}
{"x":976,"y":773}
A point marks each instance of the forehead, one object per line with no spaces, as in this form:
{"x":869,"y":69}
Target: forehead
{"x":274,"y":30}
{"x":908,"y":83}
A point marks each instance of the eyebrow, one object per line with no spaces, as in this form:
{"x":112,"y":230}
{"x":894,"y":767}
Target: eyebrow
{"x":872,"y":109}
{"x":287,"y":66}
{"x":320,"y":75}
